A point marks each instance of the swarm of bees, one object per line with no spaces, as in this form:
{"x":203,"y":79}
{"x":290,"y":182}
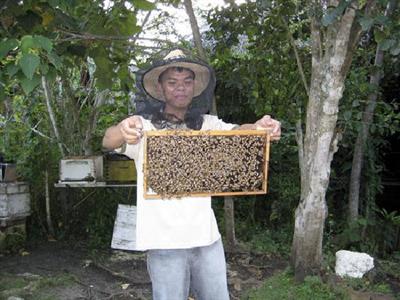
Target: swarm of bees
{"x":205,"y":163}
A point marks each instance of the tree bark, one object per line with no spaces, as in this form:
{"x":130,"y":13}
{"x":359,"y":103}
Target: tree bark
{"x":362,"y":136}
{"x":195,"y":29}
{"x":48,"y":210}
{"x":331,"y":55}
{"x":229,"y":218}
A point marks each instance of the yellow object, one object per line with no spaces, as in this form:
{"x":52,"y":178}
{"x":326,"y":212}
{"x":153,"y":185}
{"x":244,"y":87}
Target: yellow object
{"x":120,"y":170}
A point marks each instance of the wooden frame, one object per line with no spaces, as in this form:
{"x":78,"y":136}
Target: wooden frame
{"x":239,"y":134}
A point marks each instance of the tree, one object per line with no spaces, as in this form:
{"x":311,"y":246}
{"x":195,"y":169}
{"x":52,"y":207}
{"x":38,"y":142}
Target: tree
{"x":359,"y":149}
{"x":334,"y":35}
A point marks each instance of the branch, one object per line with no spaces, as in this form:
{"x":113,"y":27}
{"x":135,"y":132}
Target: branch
{"x":298,"y":60}
{"x":143,"y":23}
{"x":41,"y":134}
{"x":51,"y":115}
{"x":345,"y":42}
{"x":89,"y":36}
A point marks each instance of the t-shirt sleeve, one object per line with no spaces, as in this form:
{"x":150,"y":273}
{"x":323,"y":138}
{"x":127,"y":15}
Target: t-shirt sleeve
{"x":211,"y":122}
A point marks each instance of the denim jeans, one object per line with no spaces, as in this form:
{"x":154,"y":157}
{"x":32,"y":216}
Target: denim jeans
{"x":202,"y":270}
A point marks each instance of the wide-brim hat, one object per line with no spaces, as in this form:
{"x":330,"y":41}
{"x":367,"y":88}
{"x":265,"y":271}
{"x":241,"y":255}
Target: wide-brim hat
{"x":176,"y":58}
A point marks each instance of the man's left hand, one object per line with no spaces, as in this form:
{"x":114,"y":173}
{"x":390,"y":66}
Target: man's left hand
{"x":271,"y":125}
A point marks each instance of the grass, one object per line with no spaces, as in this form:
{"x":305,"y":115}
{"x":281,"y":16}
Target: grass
{"x":32,"y":287}
{"x":282,"y":287}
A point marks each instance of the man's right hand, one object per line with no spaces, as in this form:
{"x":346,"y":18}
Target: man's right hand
{"x":131,"y":129}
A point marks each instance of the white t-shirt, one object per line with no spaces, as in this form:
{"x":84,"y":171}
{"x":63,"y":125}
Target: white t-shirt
{"x":181,"y":223}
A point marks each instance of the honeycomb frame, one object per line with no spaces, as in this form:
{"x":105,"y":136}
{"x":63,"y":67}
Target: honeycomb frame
{"x":168,"y":152}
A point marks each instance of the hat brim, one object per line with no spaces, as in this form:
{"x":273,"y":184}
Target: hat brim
{"x":201,"y":80}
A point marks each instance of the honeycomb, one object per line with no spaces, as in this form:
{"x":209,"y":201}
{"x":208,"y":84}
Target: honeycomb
{"x":183,"y":163}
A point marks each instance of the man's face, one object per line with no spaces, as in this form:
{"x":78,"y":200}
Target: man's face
{"x":177,"y":88}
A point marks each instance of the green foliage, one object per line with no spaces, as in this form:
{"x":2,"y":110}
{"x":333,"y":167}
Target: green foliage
{"x":100,"y":222}
{"x":256,"y":70}
{"x":60,"y":33}
{"x":80,"y":48}
{"x":377,"y":235}
{"x":282,"y":286}
{"x":264,"y":240}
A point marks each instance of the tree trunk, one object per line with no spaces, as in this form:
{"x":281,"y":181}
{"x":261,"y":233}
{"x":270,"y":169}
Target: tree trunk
{"x":48,"y":207}
{"x":359,"y":147}
{"x":195,"y":29}
{"x":229,"y":218}
{"x":330,"y":62}
{"x":229,"y":214}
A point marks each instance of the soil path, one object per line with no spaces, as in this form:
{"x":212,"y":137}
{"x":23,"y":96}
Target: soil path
{"x":111,"y":274}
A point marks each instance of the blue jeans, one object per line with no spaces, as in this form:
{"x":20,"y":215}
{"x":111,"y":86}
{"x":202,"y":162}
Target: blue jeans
{"x":202,"y":270}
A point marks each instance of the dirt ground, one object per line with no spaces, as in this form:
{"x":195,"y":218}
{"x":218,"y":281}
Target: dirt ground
{"x":109,"y":274}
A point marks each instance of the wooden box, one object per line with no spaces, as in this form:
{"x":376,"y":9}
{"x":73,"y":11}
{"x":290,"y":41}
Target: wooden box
{"x":205,"y":163}
{"x":120,"y":170}
{"x":8,"y":172}
{"x":81,"y":168}
{"x":15,"y":202}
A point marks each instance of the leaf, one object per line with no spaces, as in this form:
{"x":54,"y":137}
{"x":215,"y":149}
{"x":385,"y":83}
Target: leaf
{"x":6,"y":46}
{"x":382,"y":20}
{"x":379,"y":35}
{"x":335,"y":13}
{"x":44,"y":68}
{"x":43,"y":42}
{"x":11,"y":69}
{"x":2,"y":93}
{"x":347,"y":115}
{"x":55,"y":60}
{"x":366,"y":23}
{"x":28,"y":85}
{"x":143,"y":4}
{"x":27,"y":43}
{"x":395,"y":50}
{"x":29,"y":63}
{"x":387,"y":44}
{"x":47,"y":18}
{"x":124,"y":286}
{"x":54,"y":3}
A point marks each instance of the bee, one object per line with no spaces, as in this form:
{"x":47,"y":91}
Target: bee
{"x":182,"y":164}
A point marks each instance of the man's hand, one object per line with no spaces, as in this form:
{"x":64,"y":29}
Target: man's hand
{"x":131,"y":129}
{"x":271,"y":125}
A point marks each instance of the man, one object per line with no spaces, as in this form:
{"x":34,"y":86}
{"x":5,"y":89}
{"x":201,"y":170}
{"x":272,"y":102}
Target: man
{"x":184,"y":245}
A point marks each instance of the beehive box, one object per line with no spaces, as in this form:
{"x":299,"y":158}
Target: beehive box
{"x":205,"y":163}
{"x":119,"y":168}
{"x":81,"y":168}
{"x":14,"y":200}
{"x":8,"y":172}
